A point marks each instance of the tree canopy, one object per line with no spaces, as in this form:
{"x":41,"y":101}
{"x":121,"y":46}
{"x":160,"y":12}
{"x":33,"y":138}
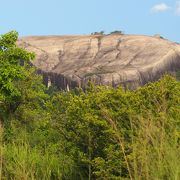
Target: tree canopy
{"x":96,"y":133}
{"x":11,"y":70}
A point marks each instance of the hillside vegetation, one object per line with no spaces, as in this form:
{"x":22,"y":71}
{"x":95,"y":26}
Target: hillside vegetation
{"x":97,"y":133}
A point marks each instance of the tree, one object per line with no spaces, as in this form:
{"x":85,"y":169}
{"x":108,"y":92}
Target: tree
{"x":117,"y":32}
{"x":14,"y":62}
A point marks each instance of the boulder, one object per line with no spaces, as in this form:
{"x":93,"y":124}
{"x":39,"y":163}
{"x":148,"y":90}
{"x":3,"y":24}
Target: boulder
{"x":115,"y":59}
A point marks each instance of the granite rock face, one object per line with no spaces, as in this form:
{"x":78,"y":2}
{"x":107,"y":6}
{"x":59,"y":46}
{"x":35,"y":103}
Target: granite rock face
{"x":129,"y":60}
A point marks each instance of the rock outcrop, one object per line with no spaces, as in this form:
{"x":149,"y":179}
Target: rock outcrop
{"x":130,"y":60}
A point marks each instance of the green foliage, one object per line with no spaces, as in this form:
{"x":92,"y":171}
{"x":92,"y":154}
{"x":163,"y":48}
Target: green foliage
{"x":98,"y":33}
{"x":96,"y":133}
{"x":24,"y":162}
{"x":123,"y":134}
{"x":117,"y":32}
{"x":11,"y":71}
{"x":178,"y":75}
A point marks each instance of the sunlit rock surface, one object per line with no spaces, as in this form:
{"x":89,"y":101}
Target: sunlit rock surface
{"x":129,"y":60}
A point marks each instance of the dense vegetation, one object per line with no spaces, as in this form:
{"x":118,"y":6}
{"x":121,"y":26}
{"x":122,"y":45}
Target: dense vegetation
{"x":96,"y":133}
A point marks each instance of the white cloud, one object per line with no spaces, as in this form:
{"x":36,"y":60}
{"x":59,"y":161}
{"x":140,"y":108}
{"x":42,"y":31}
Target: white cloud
{"x":178,"y":8}
{"x":162,"y":7}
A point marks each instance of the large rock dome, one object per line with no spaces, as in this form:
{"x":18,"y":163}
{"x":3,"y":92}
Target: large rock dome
{"x":130,"y":60}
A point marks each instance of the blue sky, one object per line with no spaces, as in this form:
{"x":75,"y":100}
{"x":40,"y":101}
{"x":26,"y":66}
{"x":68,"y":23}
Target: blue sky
{"x":59,"y":17}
